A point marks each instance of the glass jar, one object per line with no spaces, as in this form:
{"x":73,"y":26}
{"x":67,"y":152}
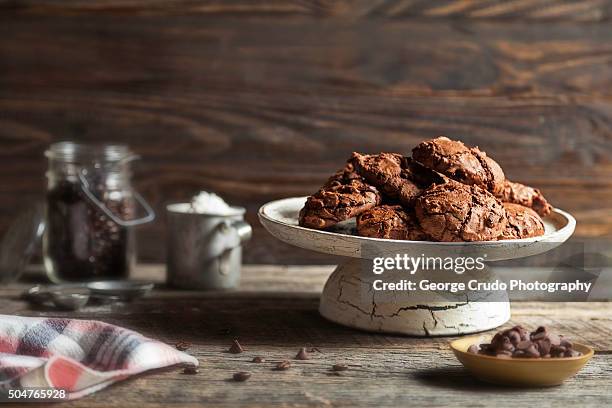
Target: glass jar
{"x":90,"y":210}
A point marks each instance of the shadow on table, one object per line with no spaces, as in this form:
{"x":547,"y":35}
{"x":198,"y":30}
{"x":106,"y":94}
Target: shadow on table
{"x":458,"y":378}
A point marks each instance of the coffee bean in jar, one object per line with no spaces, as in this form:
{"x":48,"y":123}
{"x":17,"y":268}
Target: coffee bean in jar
{"x":90,"y":210}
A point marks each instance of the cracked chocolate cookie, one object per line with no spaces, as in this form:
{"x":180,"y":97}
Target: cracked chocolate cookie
{"x":389,"y":222}
{"x":526,"y":196}
{"x":522,"y":222}
{"x":343,"y":196}
{"x":390,"y":173}
{"x":461,"y":163}
{"x":458,"y":212}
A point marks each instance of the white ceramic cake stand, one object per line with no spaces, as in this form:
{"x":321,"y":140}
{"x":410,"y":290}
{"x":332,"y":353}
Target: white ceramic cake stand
{"x":348,"y":297}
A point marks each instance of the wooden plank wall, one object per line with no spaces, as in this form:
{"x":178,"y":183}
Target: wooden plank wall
{"x":259,"y":100}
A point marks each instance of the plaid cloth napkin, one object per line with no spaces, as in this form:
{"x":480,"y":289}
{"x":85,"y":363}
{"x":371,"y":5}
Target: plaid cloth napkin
{"x":79,"y":356}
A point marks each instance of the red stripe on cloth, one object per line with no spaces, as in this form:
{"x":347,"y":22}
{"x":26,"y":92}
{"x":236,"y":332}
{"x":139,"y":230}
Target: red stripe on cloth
{"x":64,"y":374}
{"x":8,"y":345}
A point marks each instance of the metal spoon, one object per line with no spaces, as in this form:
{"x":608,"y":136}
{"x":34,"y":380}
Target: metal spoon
{"x":70,"y":299}
{"x":65,"y":297}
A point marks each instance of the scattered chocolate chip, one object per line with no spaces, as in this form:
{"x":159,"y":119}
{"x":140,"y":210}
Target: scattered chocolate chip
{"x":236,"y":348}
{"x":339,"y":367}
{"x":302,"y":354}
{"x":191,"y":370}
{"x":242,"y":376}
{"x":283,"y":365}
{"x":182,"y":345}
{"x":258,"y":360}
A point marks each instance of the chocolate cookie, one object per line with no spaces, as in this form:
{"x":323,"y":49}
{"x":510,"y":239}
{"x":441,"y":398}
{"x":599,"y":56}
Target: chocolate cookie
{"x":461,"y":163}
{"x":342,"y":176}
{"x":526,"y":196}
{"x":458,"y":212}
{"x":389,"y":222}
{"x":343,"y":196}
{"x":390,"y":173}
{"x":523,"y":222}
{"x":423,"y":176}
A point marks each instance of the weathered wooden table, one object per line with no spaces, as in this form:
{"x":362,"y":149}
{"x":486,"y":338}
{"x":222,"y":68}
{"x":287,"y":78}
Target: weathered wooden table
{"x":275,"y":313}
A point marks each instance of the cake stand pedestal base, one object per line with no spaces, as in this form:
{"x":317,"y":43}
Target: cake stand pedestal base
{"x":350,"y":300}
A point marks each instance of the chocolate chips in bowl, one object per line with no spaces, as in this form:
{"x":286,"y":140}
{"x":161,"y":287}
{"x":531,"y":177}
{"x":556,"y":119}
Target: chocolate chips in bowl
{"x":516,"y":342}
{"x":518,"y":357}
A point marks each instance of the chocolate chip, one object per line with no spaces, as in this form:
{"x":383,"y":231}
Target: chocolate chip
{"x":514,"y":337}
{"x":236,"y":348}
{"x":314,"y":350}
{"x":302,"y":354}
{"x":485,"y":347}
{"x":554,"y":339}
{"x":191,"y":370}
{"x":473,"y":349}
{"x":501,"y":342}
{"x":543,"y":346}
{"x":182,"y":345}
{"x":557,"y":351}
{"x":524,"y":345}
{"x":242,"y":376}
{"x":540,"y":333}
{"x":339,"y":367}
{"x":522,"y":332}
{"x":283,"y":365}
{"x":531,"y":351}
{"x":258,"y":360}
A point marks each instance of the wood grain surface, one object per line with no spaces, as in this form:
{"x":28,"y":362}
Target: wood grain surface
{"x":537,"y":10}
{"x":259,"y":100}
{"x":275,"y":313}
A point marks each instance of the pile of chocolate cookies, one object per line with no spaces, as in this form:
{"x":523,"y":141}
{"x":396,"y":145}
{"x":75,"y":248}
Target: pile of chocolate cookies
{"x":446,"y":192}
{"x":518,"y":342}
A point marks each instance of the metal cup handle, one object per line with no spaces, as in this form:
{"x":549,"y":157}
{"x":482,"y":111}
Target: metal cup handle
{"x":243,"y":233}
{"x":228,"y":234}
{"x":150,"y":214}
{"x":243,"y":229}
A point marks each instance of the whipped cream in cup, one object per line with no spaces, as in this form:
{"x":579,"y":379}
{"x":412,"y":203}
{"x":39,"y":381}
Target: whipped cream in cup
{"x":207,"y":203}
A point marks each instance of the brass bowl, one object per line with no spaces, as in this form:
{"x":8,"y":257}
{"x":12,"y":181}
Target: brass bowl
{"x":522,"y":372}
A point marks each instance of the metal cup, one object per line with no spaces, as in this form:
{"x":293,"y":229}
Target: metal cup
{"x":205,"y":250}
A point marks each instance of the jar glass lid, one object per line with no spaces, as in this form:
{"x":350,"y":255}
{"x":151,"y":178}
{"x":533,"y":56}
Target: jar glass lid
{"x":71,"y":152}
